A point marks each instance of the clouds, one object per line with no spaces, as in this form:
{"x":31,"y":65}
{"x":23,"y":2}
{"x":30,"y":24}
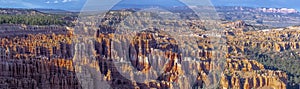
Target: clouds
{"x":18,"y":4}
{"x":73,"y":5}
{"x":55,"y":2}
{"x":59,"y":1}
{"x":64,"y":1}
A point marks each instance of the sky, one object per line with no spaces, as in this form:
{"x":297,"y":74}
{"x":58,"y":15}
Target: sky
{"x":77,"y":5}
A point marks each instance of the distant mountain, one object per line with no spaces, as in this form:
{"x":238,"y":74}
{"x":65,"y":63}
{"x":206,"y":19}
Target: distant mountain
{"x":76,"y":5}
{"x":56,"y":11}
{"x":36,"y":11}
{"x":51,"y":10}
{"x":259,"y":3}
{"x":276,"y":18}
{"x":13,"y":11}
{"x":273,"y":17}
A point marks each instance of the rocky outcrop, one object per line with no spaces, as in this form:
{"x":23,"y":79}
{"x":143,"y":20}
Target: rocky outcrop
{"x":37,"y":61}
{"x":251,"y":74}
{"x":277,"y":40}
{"x":166,"y":60}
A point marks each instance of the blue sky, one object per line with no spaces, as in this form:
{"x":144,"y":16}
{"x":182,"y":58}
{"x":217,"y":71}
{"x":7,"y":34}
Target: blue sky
{"x":76,"y":5}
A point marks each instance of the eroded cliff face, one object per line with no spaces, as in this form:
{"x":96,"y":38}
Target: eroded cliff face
{"x":151,"y":58}
{"x":269,"y":40}
{"x":37,"y":61}
{"x":147,"y":52}
{"x":247,"y":74}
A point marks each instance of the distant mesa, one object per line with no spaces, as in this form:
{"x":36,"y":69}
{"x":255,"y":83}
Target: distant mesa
{"x":278,"y":10}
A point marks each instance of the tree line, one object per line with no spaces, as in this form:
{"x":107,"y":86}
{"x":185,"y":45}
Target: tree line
{"x":34,"y":20}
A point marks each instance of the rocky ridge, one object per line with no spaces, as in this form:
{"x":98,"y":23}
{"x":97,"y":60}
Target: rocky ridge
{"x":40,"y":60}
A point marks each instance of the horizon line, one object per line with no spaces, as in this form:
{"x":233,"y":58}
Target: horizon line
{"x":79,"y":10}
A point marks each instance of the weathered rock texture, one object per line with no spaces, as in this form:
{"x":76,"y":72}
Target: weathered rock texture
{"x":37,"y":61}
{"x":169,"y":60}
{"x":247,"y":74}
